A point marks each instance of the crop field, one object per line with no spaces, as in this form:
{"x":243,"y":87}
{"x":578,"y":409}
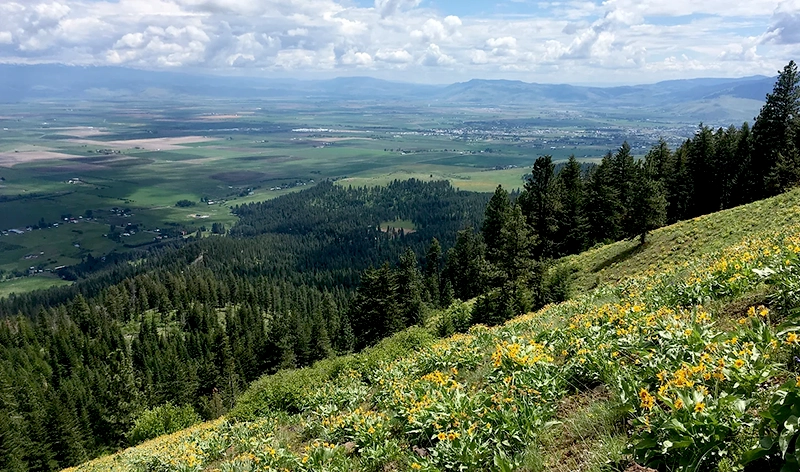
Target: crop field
{"x":110,"y":175}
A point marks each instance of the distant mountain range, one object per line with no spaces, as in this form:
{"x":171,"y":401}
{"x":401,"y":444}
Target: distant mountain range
{"x":709,"y":99}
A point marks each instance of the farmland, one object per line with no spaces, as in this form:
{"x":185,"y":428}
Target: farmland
{"x":93,"y":178}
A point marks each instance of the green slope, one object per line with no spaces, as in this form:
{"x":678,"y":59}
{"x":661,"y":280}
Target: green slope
{"x":668,"y":361}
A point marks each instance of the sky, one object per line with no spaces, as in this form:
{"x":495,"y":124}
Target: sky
{"x":431,"y":41}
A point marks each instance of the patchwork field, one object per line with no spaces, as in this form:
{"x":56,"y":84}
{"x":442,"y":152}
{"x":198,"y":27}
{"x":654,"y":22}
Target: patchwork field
{"x":110,"y":175}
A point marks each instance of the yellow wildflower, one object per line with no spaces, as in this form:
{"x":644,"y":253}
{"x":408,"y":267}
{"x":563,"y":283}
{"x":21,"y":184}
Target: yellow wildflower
{"x":699,"y":407}
{"x":647,"y":400}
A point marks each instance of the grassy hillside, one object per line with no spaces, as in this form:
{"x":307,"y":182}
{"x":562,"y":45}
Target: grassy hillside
{"x":679,"y":243}
{"x":668,"y":361}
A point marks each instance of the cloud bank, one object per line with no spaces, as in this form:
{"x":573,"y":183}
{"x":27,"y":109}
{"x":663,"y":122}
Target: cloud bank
{"x":616,"y":41}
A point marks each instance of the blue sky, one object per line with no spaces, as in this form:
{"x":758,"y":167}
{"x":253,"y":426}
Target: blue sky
{"x":563,"y":41}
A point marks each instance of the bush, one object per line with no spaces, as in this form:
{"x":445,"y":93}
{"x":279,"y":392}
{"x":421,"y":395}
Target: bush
{"x":502,"y":304}
{"x":185,"y":203}
{"x":457,"y":318}
{"x":558,"y":284}
{"x":287,"y":390}
{"x":164,"y":419}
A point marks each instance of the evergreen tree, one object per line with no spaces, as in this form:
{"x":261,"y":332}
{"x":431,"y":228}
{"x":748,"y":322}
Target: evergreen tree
{"x":375,"y":313}
{"x":775,"y":134}
{"x":497,"y":213}
{"x":745,"y":187}
{"x":679,"y":187}
{"x":539,"y":203}
{"x":648,"y":207}
{"x":703,"y":172}
{"x":571,"y":237}
{"x":659,"y":161}
{"x":433,"y":262}
{"x":409,"y":289}
{"x":465,"y":267}
{"x":622,"y":170}
{"x":517,"y":248}
{"x":603,"y":212}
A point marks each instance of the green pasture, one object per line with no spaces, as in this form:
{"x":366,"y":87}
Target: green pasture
{"x":464,"y":178}
{"x":29,"y":284}
{"x":52,"y":247}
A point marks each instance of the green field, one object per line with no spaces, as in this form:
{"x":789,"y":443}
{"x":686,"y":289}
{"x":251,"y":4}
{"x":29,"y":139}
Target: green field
{"x":28,"y":284}
{"x":114,"y":167}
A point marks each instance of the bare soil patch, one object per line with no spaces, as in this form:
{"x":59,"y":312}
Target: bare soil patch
{"x":148,"y":144}
{"x":80,"y":131}
{"x":224,"y":117}
{"x":335,"y":140}
{"x":10,"y":159}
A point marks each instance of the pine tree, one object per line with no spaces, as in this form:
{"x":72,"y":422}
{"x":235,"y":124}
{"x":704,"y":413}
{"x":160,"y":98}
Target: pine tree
{"x":679,"y":187}
{"x":702,"y":172}
{"x":495,"y":219}
{"x":648,"y":207}
{"x":465,"y":267}
{"x":658,"y":161}
{"x":571,"y":238}
{"x":433,"y":262}
{"x":374,"y":312}
{"x":623,"y":175}
{"x":517,"y":247}
{"x":409,"y":289}
{"x":603,"y":208}
{"x":539,"y":203}
{"x":775,"y":133}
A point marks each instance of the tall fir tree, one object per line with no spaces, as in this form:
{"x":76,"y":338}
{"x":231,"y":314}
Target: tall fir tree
{"x":465,"y":265}
{"x":496,"y":216}
{"x":539,"y":203}
{"x":774,"y":133}
{"x":433,"y":262}
{"x":648,"y":205}
{"x":571,"y":236}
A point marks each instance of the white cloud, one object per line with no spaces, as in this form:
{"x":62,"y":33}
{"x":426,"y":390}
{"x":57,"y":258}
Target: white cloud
{"x":354,"y":58}
{"x":785,"y":24}
{"x":628,"y":40}
{"x":297,"y":32}
{"x":394,"y":56}
{"x":479,"y":56}
{"x":452,"y":21}
{"x":390,"y":7}
{"x":434,"y":57}
{"x":506,"y":42}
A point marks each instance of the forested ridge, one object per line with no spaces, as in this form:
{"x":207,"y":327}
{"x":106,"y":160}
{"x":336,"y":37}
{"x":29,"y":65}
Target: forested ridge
{"x":192,"y":325}
{"x":311,"y":275}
